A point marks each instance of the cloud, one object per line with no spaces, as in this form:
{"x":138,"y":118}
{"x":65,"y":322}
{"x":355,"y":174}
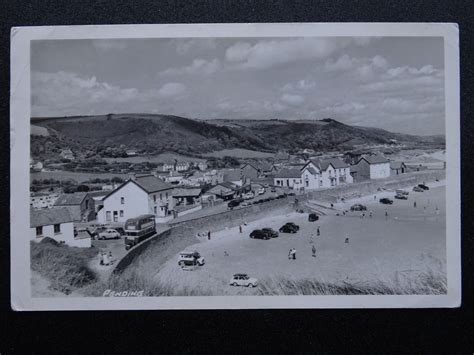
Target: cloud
{"x":198,"y":67}
{"x":66,"y":93}
{"x":171,"y":89}
{"x":293,"y":100}
{"x":269,"y":53}
{"x":300,"y":85}
{"x":184,"y":46}
{"x":109,"y":44}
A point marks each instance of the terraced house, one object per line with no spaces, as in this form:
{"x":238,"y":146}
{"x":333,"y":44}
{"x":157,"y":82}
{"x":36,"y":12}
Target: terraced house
{"x":323,"y":173}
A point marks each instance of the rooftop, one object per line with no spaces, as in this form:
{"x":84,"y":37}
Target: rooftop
{"x":49,"y":216}
{"x":151,"y":183}
{"x":288,"y":173}
{"x":186,"y":192}
{"x":375,"y":159}
{"x":71,"y":199}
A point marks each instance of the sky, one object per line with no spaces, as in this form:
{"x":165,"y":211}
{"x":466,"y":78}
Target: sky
{"x":394,"y":83}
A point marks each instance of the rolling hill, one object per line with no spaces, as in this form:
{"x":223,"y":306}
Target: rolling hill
{"x":159,"y":133}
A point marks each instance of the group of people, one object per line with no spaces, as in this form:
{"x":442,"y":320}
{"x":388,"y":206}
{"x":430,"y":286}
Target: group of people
{"x":105,"y":258}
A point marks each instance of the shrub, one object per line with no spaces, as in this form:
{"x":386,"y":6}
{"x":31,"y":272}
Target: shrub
{"x":66,"y":267}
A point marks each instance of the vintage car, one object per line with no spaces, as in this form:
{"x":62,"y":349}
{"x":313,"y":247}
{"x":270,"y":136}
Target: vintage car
{"x":358,"y":207}
{"x":386,"y":201}
{"x":289,"y":227}
{"x":243,"y":280}
{"x":109,"y":234}
{"x":312,"y":217}
{"x":190,"y":259}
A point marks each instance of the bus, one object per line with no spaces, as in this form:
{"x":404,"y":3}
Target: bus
{"x":138,"y":229}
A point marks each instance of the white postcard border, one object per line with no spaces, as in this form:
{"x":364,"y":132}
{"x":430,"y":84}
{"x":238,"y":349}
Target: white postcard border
{"x":20,"y":153}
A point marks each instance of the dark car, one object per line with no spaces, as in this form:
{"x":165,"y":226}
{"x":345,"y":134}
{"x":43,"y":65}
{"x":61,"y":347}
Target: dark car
{"x":386,"y":201}
{"x":289,"y":228}
{"x":423,"y":186}
{"x":418,"y":189}
{"x":270,"y":232}
{"x":259,"y":234}
{"x":401,"y":197}
{"x":312,"y":217}
{"x":233,"y":203}
{"x":358,"y":207}
{"x":291,"y":194}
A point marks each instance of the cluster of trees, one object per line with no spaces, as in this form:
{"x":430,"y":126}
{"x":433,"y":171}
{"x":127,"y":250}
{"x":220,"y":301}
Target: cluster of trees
{"x":225,"y":162}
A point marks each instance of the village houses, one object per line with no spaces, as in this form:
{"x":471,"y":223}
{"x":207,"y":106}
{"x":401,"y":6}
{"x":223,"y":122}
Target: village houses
{"x":67,"y":154}
{"x":58,"y":224}
{"x":79,"y":204}
{"x":144,"y":194}
{"x":373,"y":166}
{"x":397,"y":167}
{"x":43,"y":200}
{"x":322,"y":173}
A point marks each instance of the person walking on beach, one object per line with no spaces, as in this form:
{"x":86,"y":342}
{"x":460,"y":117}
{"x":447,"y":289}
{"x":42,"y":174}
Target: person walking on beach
{"x":101,"y":258}
{"x":293,"y":253}
{"x":313,"y":249}
{"x":208,"y":235}
{"x":110,"y":257}
{"x":386,"y":214}
{"x":318,"y":232}
{"x":240,"y":228}
{"x":414,"y":204}
{"x":347,"y":239}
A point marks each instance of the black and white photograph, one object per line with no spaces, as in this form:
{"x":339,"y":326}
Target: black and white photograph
{"x":236,"y":166}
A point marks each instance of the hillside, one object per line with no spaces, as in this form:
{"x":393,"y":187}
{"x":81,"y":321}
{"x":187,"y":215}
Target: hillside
{"x":160,"y":133}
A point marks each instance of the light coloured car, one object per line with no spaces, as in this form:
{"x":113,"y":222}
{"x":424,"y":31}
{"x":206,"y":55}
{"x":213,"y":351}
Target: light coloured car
{"x":248,"y":196}
{"x":243,"y":280}
{"x":109,"y":234}
{"x":190,"y":259}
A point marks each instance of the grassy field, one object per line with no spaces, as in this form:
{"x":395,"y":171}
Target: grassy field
{"x":67,"y":175}
{"x":160,"y":158}
{"x":66,"y":268}
{"x":239,"y":153}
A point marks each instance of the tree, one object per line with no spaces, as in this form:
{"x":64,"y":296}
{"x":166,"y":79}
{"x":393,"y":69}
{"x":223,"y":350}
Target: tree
{"x":83,"y":188}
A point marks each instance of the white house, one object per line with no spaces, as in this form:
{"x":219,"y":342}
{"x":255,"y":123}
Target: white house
{"x":202,"y":165}
{"x":372,"y":167}
{"x":56,"y":223}
{"x":67,"y":154}
{"x":322,"y":173}
{"x":144,"y":194}
{"x":290,"y":178}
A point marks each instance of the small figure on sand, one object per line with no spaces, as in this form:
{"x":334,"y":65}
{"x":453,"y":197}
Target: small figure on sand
{"x":110,"y":257}
{"x":437,"y":210}
{"x":292,"y":254}
{"x":318,"y":232}
{"x":226,"y":253}
{"x":347,"y":239}
{"x":414,"y":204}
{"x":101,"y":258}
{"x":313,"y":249}
{"x":208,"y":235}
{"x":386,"y":214}
{"x":332,"y":205}
{"x":375,"y":197}
{"x":370,"y":213}
{"x":240,"y":228}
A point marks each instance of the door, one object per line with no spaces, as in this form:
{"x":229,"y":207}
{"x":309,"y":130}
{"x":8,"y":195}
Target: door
{"x":115,"y":216}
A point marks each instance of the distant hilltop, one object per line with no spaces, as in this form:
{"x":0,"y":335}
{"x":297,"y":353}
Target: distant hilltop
{"x":158,"y":133}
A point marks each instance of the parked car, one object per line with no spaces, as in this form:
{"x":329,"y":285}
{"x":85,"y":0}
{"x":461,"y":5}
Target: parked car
{"x":358,"y":207}
{"x":259,"y":234}
{"x":423,"y":186}
{"x":312,"y":217}
{"x":401,"y":192}
{"x":261,"y":191}
{"x":291,"y":194}
{"x":233,"y":203}
{"x":243,"y":280}
{"x":289,"y":227}
{"x":248,"y":196}
{"x":401,"y":197}
{"x":95,"y":230}
{"x":190,"y":259}
{"x":120,"y":230}
{"x":270,"y":232}
{"x":109,"y":234}
{"x":245,"y":204}
{"x":418,"y":189}
{"x":386,"y":201}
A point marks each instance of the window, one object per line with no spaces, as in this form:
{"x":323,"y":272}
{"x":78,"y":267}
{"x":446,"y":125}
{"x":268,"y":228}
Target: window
{"x":122,"y":200}
{"x":57,"y":228}
{"x":39,"y":231}
{"x":154,"y":209}
{"x":121,"y":213}
{"x":154,"y":198}
{"x":161,"y":196}
{"x":108,"y":216}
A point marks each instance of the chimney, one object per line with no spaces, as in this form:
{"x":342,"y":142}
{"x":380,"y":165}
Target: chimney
{"x":132,"y":176}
